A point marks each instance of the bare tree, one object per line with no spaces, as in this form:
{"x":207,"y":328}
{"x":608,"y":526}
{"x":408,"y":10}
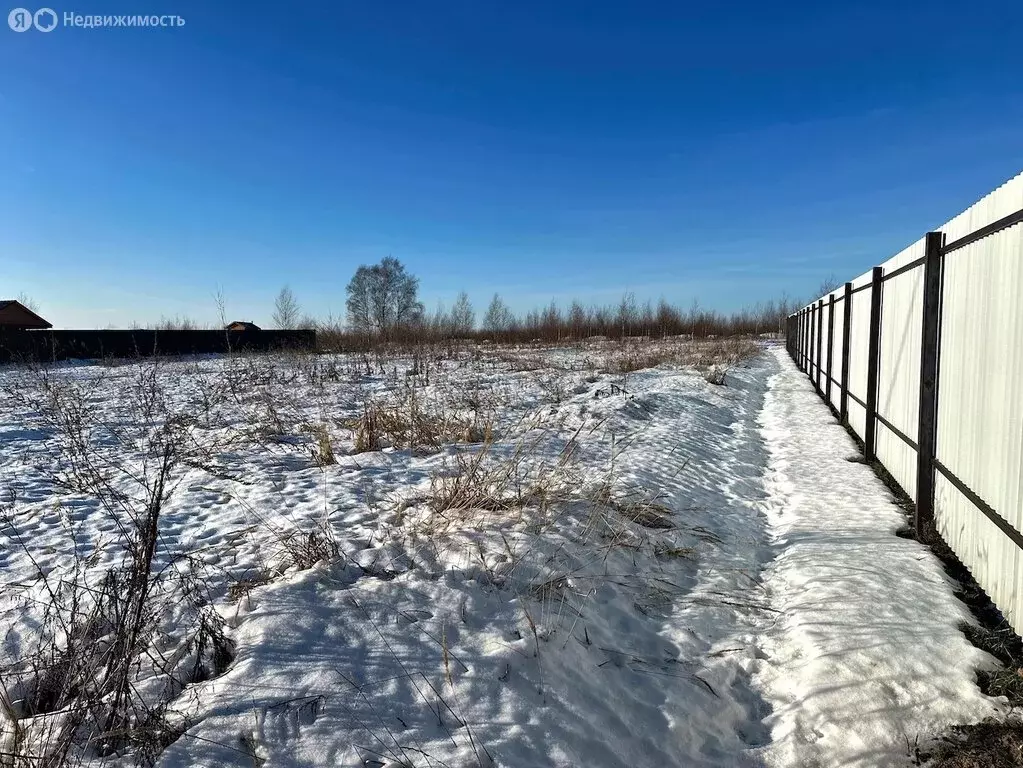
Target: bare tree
{"x":286,"y":309}
{"x":359,"y":304}
{"x":441,"y":324}
{"x":221,"y":301}
{"x":829,"y":284}
{"x":383,"y":297}
{"x":28,"y":302}
{"x":577,"y":320}
{"x":551,"y":322}
{"x":498,"y":316}
{"x":669,"y":318}
{"x":627,"y":313}
{"x":463,"y":316}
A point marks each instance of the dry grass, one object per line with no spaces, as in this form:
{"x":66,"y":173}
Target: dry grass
{"x":406,"y":423}
{"x":721,"y":354}
{"x":715,"y":375}
{"x":634,"y":508}
{"x":531,"y":482}
{"x":985,"y":745}
{"x":491,"y":485}
{"x":631,"y":504}
{"x":481,"y":481}
{"x":240,"y":588}
{"x":475,"y":484}
{"x":1006,"y":682}
{"x":89,"y":685}
{"x":302,"y":549}
{"x":323,"y":451}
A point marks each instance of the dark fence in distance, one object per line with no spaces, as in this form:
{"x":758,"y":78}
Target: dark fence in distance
{"x":92,"y":345}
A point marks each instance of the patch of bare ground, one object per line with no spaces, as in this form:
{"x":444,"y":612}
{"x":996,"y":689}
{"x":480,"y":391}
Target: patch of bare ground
{"x":985,"y":745}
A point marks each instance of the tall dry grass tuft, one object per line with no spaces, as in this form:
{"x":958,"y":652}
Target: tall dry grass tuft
{"x":323,"y":450}
{"x":410,"y":422}
{"x":90,"y":687}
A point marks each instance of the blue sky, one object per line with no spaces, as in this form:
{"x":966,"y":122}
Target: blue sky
{"x":724,"y":152}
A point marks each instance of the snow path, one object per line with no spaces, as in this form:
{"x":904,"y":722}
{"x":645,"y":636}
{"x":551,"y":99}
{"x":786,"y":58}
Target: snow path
{"x":866,"y":657}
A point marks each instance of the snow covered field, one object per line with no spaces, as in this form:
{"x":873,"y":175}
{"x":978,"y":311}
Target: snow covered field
{"x":486,"y":557}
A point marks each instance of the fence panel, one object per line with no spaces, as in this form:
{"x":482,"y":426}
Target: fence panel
{"x":980,"y":410}
{"x":810,"y":325}
{"x":836,"y":349}
{"x":898,"y":392}
{"x":813,"y":344}
{"x":859,"y":353}
{"x":821,"y":327}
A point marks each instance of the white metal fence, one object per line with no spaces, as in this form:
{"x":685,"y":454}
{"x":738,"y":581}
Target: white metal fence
{"x":933,"y":384}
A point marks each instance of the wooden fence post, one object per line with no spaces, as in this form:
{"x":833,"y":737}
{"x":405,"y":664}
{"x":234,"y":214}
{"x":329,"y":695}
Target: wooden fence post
{"x":831,"y":348}
{"x":930,"y":343}
{"x":873,"y":365}
{"x":843,"y":412}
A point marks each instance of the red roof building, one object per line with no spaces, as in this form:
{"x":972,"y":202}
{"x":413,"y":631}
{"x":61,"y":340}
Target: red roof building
{"x":15,"y":316}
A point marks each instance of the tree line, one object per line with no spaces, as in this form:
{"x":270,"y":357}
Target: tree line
{"x":383,"y":304}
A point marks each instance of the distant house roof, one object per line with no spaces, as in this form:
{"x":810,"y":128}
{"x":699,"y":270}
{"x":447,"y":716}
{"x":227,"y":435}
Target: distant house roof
{"x":243,"y":325}
{"x":14,"y":314}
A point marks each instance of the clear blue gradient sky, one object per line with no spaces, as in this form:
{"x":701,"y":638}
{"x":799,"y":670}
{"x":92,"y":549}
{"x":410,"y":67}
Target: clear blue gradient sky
{"x":725,"y":152}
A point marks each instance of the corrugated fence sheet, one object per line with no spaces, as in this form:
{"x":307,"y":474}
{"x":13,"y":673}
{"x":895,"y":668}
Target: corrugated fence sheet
{"x":898,"y":380}
{"x":859,"y":342}
{"x":836,"y":349}
{"x":978,"y":485}
{"x":980,"y":406}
